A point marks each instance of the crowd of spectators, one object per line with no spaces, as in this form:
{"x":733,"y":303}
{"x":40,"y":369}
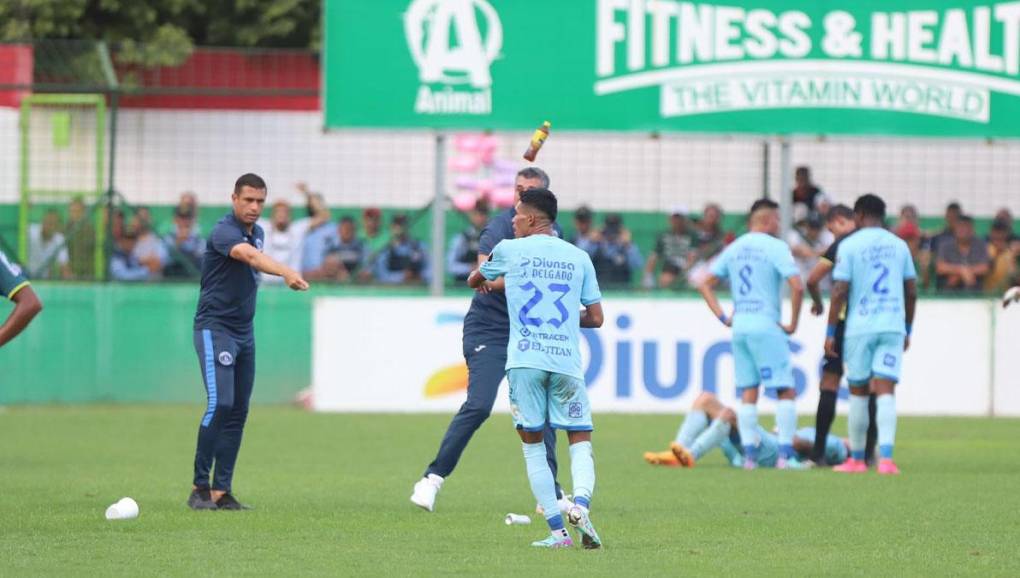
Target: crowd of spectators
{"x":361,"y":248}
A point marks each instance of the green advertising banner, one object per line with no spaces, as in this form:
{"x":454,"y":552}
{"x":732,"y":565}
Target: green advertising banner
{"x":911,"y":67}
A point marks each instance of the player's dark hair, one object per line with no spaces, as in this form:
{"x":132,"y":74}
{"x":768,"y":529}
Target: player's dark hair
{"x":966,"y":219}
{"x":249,"y":180}
{"x":955,"y":207}
{"x":839,"y":211}
{"x":542,"y":200}
{"x":346,"y":219}
{"x":870,"y":205}
{"x":763,"y":204}
{"x":535,"y":173}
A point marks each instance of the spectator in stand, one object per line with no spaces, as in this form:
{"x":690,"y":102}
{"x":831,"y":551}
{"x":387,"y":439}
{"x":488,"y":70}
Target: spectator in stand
{"x":709,"y":241}
{"x":149,"y":249}
{"x":948,"y":233}
{"x":908,"y":228}
{"x":118,"y":225}
{"x":807,"y":193}
{"x":908,"y":214}
{"x":585,"y":237}
{"x":47,"y":251}
{"x":910,"y":232}
{"x":674,"y":249}
{"x":284,"y":239}
{"x":808,"y":240}
{"x":616,"y":256}
{"x":1002,"y":255}
{"x":710,"y":238}
{"x":371,"y":231}
{"x":404,"y":260}
{"x":345,"y":257}
{"x":462,"y":256}
{"x":124,"y":265}
{"x":188,"y":205}
{"x":185,"y":246}
{"x":1005,"y":216}
{"x":81,"y":240}
{"x":320,"y":233}
{"x":961,"y":262}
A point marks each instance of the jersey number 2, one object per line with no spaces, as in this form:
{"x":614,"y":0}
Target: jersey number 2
{"x":881,"y":285}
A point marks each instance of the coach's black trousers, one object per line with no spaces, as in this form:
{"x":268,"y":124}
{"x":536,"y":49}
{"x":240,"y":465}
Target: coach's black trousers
{"x":228,"y":370}
{"x":486,"y":369}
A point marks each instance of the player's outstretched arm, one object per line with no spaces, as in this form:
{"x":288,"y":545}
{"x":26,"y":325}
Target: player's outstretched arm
{"x":26,"y":306}
{"x":260,"y":261}
{"x":819,"y":272}
{"x":707,"y":290}
{"x":840,"y":290}
{"x":910,"y":303}
{"x":592,"y":316}
{"x":796,"y":300}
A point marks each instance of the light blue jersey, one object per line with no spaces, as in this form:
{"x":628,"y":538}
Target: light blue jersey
{"x":756,"y":265}
{"x":876,"y":263}
{"x":547,"y":282}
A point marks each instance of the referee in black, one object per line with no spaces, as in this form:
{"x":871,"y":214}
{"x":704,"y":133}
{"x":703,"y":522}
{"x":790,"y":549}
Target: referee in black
{"x":225,"y":339}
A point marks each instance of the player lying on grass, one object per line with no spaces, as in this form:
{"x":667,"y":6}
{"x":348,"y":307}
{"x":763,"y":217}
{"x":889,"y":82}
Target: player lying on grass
{"x":710,"y":425}
{"x":547,"y":282}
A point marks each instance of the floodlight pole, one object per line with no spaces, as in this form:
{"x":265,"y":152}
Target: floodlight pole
{"x":439,"y":220}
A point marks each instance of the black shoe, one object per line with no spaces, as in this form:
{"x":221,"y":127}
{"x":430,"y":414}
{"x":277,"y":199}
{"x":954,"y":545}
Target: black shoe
{"x":201,"y":500}
{"x":228,"y":502}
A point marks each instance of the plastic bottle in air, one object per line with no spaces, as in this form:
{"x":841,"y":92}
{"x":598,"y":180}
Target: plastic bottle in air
{"x":537,"y":140}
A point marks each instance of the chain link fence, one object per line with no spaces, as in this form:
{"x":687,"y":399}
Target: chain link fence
{"x":113,"y":172}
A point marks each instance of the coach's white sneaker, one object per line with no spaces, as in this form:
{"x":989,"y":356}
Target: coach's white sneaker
{"x":425,"y":491}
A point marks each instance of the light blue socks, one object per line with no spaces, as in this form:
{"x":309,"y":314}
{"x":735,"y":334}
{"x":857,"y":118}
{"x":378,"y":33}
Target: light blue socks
{"x":542,"y":484}
{"x":747,"y":425}
{"x":857,"y":425}
{"x":885,"y":415}
{"x":695,"y":422}
{"x":582,"y":472}
{"x":786,"y":421}
{"x":710,"y":439}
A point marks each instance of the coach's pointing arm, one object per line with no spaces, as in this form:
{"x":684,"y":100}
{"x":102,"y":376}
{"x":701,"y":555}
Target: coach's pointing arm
{"x":248,"y":254}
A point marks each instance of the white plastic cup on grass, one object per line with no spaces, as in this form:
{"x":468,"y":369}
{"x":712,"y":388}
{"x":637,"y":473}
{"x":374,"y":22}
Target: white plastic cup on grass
{"x":124,"y":509}
{"x":517,"y":520}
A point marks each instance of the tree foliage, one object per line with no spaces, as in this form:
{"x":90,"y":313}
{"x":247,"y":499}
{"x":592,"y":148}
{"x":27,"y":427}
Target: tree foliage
{"x":162,"y":32}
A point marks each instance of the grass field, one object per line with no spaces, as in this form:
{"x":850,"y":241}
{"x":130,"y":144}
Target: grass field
{"x":331,"y":498}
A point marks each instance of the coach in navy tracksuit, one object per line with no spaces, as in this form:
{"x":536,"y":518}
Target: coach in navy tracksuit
{"x":486,"y":333}
{"x":225,"y":338}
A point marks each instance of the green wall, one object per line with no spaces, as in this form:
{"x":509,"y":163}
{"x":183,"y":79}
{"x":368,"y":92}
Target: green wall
{"x":134,"y":343}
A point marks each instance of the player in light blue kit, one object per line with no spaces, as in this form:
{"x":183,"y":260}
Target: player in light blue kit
{"x":547,"y":280}
{"x":875,"y":269}
{"x":756,"y":265}
{"x":709,"y":424}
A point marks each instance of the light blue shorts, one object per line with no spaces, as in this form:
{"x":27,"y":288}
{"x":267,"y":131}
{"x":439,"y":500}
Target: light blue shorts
{"x":873,"y":355}
{"x":539,"y":397}
{"x":762,"y":358}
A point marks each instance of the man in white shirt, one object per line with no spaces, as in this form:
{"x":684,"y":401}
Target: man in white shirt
{"x":284,"y":239}
{"x":47,"y":251}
